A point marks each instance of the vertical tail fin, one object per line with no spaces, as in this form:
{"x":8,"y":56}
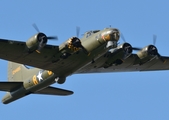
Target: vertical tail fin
{"x":15,"y":71}
{"x":18,"y":72}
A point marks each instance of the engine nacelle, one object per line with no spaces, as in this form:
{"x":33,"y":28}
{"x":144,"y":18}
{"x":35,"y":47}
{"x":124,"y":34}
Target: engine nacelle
{"x":148,"y":53}
{"x":74,"y":44}
{"x":118,"y":55}
{"x":36,"y":42}
{"x":127,"y":49}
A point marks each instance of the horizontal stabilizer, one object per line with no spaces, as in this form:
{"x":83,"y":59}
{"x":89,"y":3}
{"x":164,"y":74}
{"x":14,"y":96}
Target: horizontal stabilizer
{"x":54,"y":91}
{"x":10,"y":86}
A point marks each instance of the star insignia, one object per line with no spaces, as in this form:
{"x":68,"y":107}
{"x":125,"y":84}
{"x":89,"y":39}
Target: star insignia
{"x":39,"y":76}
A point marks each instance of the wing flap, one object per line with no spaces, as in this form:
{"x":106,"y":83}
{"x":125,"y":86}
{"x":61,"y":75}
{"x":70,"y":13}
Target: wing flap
{"x":127,"y":66}
{"x":10,"y":86}
{"x":54,"y":91}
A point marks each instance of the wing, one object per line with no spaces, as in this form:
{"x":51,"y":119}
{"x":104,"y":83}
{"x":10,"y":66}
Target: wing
{"x":16,"y":51}
{"x":54,"y":91}
{"x":10,"y":86}
{"x":127,"y":66}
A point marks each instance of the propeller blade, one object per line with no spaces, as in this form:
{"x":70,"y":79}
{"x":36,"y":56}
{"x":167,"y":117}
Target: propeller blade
{"x":135,"y":48}
{"x":122,"y":37}
{"x":52,"y":37}
{"x":36,"y":27}
{"x":154,"y":39}
{"x":49,"y":37}
{"x":39,"y":47}
{"x":77,"y":31}
{"x":124,"y":40}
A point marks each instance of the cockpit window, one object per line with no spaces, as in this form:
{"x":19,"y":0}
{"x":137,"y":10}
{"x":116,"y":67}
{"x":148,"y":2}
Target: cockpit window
{"x":95,"y":31}
{"x":89,"y":33}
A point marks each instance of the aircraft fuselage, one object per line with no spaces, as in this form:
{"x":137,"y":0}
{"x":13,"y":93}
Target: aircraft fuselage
{"x":72,"y":57}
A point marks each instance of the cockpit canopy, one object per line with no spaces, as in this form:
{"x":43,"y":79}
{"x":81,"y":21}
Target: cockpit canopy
{"x":89,"y":33}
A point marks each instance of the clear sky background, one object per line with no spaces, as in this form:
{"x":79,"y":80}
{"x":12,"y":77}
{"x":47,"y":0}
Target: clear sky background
{"x":107,"y":96}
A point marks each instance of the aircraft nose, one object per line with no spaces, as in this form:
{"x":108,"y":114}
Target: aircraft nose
{"x":115,"y":34}
{"x":111,"y":35}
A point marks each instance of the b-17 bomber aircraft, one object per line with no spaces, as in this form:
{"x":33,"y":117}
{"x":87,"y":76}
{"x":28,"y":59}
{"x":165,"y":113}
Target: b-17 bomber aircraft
{"x":97,"y":51}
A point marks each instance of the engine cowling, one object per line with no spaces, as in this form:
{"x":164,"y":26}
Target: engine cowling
{"x":74,"y":44}
{"x":71,"y":46}
{"x":118,"y":55}
{"x":127,"y":49}
{"x":148,"y":53}
{"x":36,"y":42}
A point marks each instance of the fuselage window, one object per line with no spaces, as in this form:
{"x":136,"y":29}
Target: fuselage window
{"x":88,"y":34}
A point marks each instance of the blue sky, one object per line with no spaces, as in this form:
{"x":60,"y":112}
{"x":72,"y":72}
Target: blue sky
{"x":111,"y":96}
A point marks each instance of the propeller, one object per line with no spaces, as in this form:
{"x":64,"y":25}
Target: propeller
{"x":122,"y":37}
{"x":158,"y":54}
{"x":77,"y":31}
{"x":154,"y":42}
{"x":48,"y":37}
{"x":78,"y":44}
{"x":154,"y":39}
{"x":43,"y":38}
{"x":124,"y":40}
